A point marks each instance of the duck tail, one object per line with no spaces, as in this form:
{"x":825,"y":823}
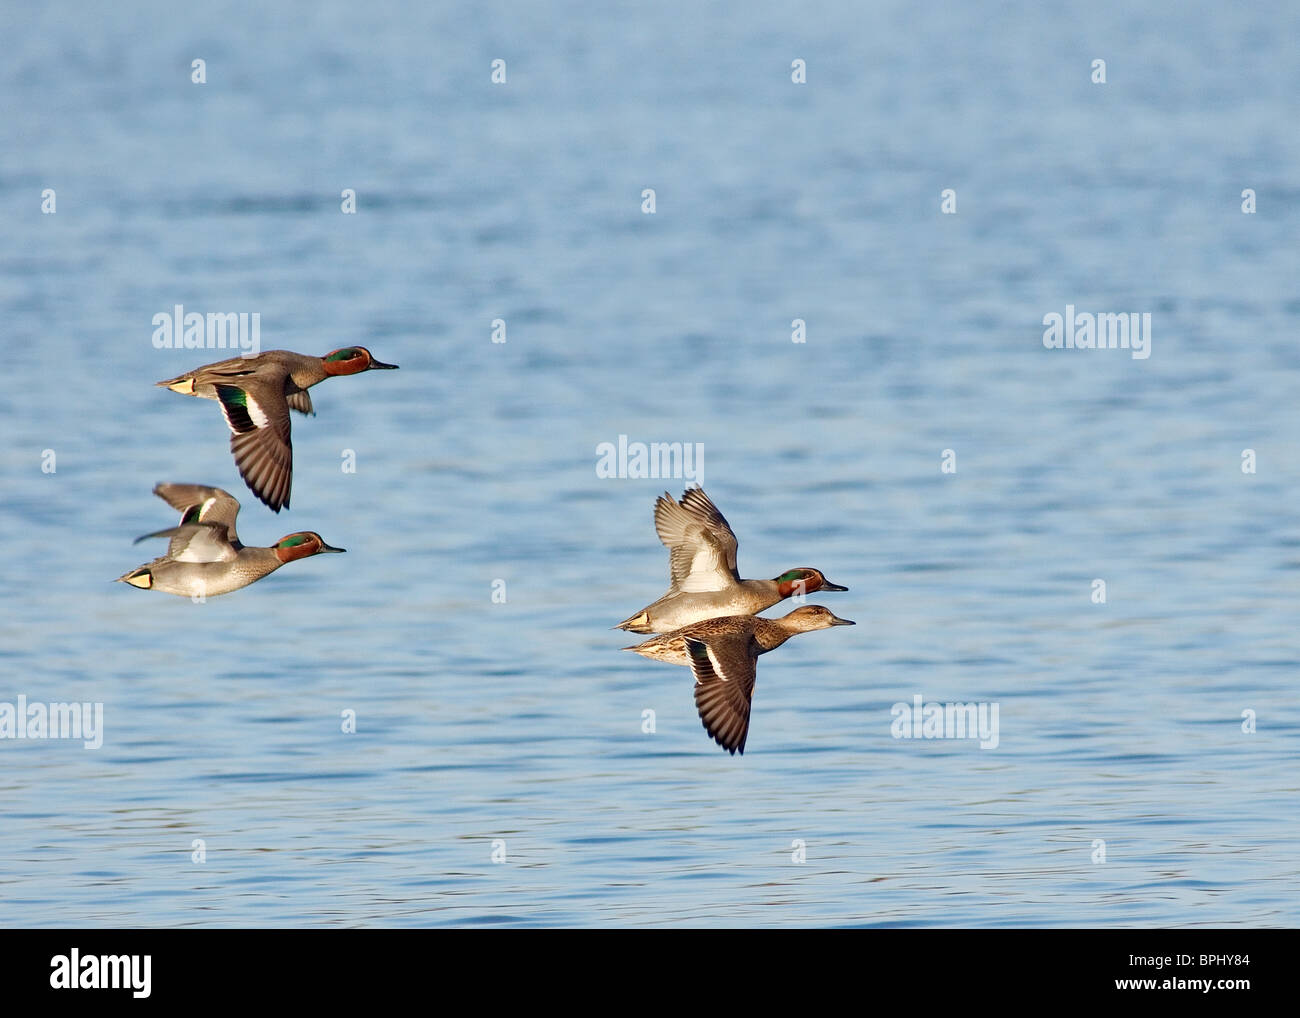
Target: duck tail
{"x":141,"y":578}
{"x":638,"y":623}
{"x":184,"y":384}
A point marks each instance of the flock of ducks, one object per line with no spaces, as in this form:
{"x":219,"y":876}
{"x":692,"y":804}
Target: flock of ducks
{"x":707,"y":621}
{"x":205,"y":557}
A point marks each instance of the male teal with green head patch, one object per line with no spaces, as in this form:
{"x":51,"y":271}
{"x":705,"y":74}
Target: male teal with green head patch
{"x":704,"y":580}
{"x":256,"y":395}
{"x":204,"y":555}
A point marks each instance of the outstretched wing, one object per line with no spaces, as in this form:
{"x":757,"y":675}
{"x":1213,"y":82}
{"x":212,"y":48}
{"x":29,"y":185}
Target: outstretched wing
{"x":724,"y":687}
{"x":258,"y":416}
{"x":196,"y":542}
{"x":199,"y":503}
{"x":701,"y":546}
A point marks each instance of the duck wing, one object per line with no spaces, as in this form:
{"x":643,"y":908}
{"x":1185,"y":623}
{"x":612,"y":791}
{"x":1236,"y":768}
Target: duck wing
{"x":701,"y":545}
{"x":724,"y":687}
{"x":196,"y":542}
{"x":257,"y":412}
{"x":300,"y":400}
{"x":199,"y":503}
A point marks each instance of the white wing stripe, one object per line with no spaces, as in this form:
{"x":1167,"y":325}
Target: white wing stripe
{"x":255,"y":413}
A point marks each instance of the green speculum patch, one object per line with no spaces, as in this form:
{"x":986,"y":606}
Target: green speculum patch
{"x":232,"y":395}
{"x":234,"y":401}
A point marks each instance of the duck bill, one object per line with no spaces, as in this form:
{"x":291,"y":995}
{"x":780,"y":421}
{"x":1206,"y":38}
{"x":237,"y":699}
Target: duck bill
{"x":841,"y":622}
{"x":326,"y":549}
{"x":831,"y":586}
{"x":381,"y":366}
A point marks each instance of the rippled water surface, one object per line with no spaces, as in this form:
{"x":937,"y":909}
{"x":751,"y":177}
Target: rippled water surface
{"x":521,"y":722}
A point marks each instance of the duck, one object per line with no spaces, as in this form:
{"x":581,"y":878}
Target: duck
{"x":256,"y":395}
{"x":723,"y":654}
{"x":704,"y":582}
{"x":205,"y":557}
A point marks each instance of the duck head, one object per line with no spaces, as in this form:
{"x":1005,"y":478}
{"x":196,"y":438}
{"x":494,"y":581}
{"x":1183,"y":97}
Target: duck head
{"x":352,"y":360}
{"x":814,"y":616}
{"x":302,"y":545}
{"x":804,"y":581}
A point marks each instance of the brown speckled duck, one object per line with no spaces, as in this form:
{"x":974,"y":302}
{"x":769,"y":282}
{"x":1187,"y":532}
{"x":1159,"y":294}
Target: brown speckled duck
{"x":723,"y":653}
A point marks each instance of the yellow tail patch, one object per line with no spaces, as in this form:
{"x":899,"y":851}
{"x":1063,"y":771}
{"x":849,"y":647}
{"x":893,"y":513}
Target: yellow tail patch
{"x":142,"y":580}
{"x":185,"y":386}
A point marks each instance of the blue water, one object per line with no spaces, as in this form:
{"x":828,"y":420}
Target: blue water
{"x":521,"y":721}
